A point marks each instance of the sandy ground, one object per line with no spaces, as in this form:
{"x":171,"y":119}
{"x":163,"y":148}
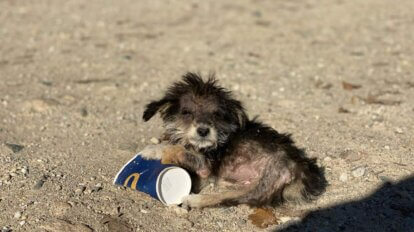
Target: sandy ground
{"x":75,"y":75}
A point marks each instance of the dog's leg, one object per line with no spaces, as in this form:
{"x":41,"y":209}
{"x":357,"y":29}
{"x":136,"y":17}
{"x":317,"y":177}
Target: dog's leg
{"x":153,"y":151}
{"x":196,"y":163}
{"x":177,"y":154}
{"x":205,"y":200}
{"x":173,"y":154}
{"x":167,"y":153}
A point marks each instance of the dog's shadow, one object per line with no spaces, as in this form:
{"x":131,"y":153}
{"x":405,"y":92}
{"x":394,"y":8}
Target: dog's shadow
{"x":389,"y":208}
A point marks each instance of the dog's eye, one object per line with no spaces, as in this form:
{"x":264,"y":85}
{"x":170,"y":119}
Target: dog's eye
{"x":218,"y":115}
{"x":185,"y":112}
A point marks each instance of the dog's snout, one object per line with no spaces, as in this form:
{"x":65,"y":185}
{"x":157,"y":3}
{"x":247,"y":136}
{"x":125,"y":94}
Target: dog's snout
{"x":203,"y":131}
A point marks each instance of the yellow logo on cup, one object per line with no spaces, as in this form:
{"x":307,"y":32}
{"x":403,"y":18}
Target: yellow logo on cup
{"x":135,"y":178}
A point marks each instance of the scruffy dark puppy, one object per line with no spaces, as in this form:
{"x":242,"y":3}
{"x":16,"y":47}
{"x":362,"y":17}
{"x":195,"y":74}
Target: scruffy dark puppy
{"x":209,"y":133}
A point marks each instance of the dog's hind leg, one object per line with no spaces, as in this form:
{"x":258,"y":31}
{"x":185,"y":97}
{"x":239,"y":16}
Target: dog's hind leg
{"x":205,"y":200}
{"x":261,"y":192}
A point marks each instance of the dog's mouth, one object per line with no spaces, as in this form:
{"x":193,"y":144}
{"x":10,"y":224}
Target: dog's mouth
{"x":202,"y":143}
{"x":202,"y":137}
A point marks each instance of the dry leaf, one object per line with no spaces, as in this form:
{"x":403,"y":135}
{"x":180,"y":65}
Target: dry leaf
{"x":349,"y":86}
{"x":371,"y":99}
{"x":263,"y":218}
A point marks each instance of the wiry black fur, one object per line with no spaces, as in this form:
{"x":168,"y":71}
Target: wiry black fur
{"x":270,"y":139}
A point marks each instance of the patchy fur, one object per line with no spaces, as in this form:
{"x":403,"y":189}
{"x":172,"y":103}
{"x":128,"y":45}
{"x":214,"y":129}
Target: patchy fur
{"x":216,"y":139}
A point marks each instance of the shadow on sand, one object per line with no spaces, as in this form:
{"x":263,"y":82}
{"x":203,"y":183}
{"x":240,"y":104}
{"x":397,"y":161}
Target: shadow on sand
{"x":389,"y":208}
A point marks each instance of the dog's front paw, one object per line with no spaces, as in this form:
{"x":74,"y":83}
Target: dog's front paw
{"x":152,"y":152}
{"x":193,"y":201}
{"x":174,"y":154}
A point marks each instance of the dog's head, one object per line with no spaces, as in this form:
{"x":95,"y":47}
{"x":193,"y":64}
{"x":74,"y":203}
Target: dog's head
{"x":198,"y":113}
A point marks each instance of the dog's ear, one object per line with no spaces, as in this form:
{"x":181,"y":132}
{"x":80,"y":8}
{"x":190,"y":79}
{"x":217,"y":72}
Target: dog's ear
{"x":156,"y":106}
{"x":242,"y":117}
{"x":239,"y":112}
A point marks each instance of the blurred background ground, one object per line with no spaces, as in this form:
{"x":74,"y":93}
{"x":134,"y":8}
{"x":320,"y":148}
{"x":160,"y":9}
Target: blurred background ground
{"x":75,"y":75}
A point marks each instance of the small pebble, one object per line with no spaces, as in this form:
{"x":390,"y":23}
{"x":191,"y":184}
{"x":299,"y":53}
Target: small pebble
{"x":22,"y":223}
{"x":178,"y":210}
{"x":352,"y":156}
{"x":30,"y":203}
{"x":327,"y":159}
{"x":25,"y":171}
{"x":155,"y":140}
{"x":80,"y":190}
{"x":89,"y":191}
{"x":39,"y":183}
{"x":399,"y":130}
{"x":143,"y":211}
{"x":6,"y":229}
{"x":7,"y":177}
{"x":17,"y":215}
{"x":343,"y":177}
{"x":358,"y":172}
{"x":387,"y":147}
{"x":93,"y":178}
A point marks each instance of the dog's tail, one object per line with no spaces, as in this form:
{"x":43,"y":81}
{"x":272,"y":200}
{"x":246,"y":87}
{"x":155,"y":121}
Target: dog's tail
{"x":308,"y":182}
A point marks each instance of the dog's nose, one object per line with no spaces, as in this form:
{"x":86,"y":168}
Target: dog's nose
{"x":203,"y":131}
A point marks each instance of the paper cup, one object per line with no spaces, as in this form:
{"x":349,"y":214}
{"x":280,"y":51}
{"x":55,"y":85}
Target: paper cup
{"x":166,"y":183}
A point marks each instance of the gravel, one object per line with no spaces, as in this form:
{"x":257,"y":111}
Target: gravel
{"x":75,"y":78}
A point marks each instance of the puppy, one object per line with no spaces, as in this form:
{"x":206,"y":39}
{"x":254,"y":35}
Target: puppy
{"x":209,"y":133}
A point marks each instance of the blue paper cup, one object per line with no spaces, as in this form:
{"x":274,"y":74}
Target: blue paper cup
{"x":166,"y":183}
